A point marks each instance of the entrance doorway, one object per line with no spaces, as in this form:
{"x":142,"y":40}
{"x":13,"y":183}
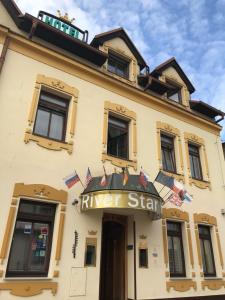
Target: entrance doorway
{"x":113,"y":258}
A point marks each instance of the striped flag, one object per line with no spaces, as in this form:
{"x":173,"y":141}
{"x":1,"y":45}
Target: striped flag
{"x":71,"y":179}
{"x":125,"y":176}
{"x":143,"y":179}
{"x":88,"y":177}
{"x":103,"y":181}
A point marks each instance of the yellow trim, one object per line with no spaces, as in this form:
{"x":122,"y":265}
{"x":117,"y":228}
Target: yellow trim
{"x":213,"y":284}
{"x":54,"y":59}
{"x":164,"y":232}
{"x":198,"y":249}
{"x":205,"y":183}
{"x":60,"y":237}
{"x":175,"y":132}
{"x":28,"y":288}
{"x":40,"y":191}
{"x":176,"y":214}
{"x":56,"y":274}
{"x":1,"y":273}
{"x":7,"y":235}
{"x":181,"y":285}
{"x":123,"y":112}
{"x":212,"y":221}
{"x":47,"y":143}
{"x":54,"y":85}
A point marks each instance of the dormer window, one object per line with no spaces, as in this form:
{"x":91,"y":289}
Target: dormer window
{"x":118,"y":65}
{"x":174,"y":93}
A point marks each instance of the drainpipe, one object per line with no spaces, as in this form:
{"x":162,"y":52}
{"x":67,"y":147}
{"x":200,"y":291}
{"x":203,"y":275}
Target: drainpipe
{"x":4,"y":51}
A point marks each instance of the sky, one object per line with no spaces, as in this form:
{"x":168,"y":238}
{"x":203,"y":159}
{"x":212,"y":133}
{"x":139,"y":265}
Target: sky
{"x":193,"y":31}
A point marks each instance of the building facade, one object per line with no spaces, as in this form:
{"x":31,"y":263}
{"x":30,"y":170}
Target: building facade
{"x":68,"y":105}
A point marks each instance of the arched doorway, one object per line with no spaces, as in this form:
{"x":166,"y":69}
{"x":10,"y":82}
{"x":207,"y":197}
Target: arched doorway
{"x":113,"y":258}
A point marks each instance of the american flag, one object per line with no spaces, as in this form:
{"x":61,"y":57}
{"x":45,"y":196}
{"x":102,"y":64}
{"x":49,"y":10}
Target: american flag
{"x":88,"y":177}
{"x":175,"y":199}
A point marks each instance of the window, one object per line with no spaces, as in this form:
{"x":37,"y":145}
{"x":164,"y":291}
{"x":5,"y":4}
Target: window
{"x":195,"y":163}
{"x":118,"y":65}
{"x":51,"y":117}
{"x":175,"y":93}
{"x":90,"y":252}
{"x":143,"y":258}
{"x":31,"y":243}
{"x":118,"y":137}
{"x":206,"y":251}
{"x":168,"y":153}
{"x":175,"y":250}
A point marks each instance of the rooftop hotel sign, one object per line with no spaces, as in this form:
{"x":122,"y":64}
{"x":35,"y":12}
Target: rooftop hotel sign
{"x":120,"y":199}
{"x":63,"y":24}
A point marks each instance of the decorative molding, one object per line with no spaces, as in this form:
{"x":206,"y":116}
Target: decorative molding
{"x":190,"y":245}
{"x":213,"y":284}
{"x":28,"y":288}
{"x":47,"y":143}
{"x":1,"y":273}
{"x":92,"y":232}
{"x":122,"y":111}
{"x":41,"y":191}
{"x":60,"y":237}
{"x":143,"y":237}
{"x":198,"y":249}
{"x":200,"y":183}
{"x":223,"y":274}
{"x":165,"y":250}
{"x":167,"y":274}
{"x":56,"y":274}
{"x":14,"y":201}
{"x":205,"y":218}
{"x":175,"y":213}
{"x":122,"y":163}
{"x":219,"y":248}
{"x":193,"y":274}
{"x":71,"y":94}
{"x":201,"y":274}
{"x":181,"y":285}
{"x":63,"y":208}
{"x":200,"y":142}
{"x":175,"y":132}
{"x":7,"y":234}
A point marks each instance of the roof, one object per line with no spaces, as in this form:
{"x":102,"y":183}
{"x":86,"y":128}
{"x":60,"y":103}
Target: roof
{"x":12,"y":9}
{"x":115,"y":182}
{"x":99,"y":39}
{"x":206,"y":109}
{"x":173,"y":63}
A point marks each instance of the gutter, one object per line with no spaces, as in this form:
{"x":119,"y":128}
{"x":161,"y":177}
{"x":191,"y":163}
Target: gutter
{"x":4,"y":52}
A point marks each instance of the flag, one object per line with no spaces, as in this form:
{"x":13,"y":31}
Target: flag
{"x":103,"y":181}
{"x":177,"y":187}
{"x":71,"y":179}
{"x":88,"y":177}
{"x":165,"y":179}
{"x":125,"y":176}
{"x":175,"y":199}
{"x":143,"y":179}
{"x":187,"y":197}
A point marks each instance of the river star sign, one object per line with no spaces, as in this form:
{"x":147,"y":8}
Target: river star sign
{"x":117,"y":199}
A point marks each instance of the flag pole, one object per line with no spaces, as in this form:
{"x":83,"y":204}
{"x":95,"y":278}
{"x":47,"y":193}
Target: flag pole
{"x":80,"y":180}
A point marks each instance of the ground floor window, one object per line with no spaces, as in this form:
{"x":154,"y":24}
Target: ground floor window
{"x":206,"y":251}
{"x":175,"y":249}
{"x":32,"y":238}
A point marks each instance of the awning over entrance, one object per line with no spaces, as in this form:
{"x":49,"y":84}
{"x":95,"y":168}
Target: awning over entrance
{"x":115,"y":195}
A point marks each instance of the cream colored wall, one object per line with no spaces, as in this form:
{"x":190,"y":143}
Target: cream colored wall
{"x":6,"y":20}
{"x":30,"y":163}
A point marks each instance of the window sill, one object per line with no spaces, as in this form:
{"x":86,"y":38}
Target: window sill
{"x":119,"y":162}
{"x":202,"y":184}
{"x":213,"y":283}
{"x":179,"y":177}
{"x":181,"y":284}
{"x":47,"y":143}
{"x":27,"y":288}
